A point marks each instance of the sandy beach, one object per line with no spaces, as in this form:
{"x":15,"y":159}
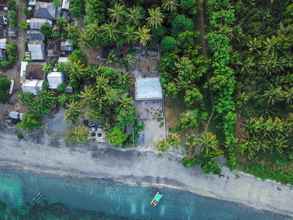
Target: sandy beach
{"x":142,"y":167}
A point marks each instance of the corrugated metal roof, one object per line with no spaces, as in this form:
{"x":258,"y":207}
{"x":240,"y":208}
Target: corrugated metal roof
{"x":3,"y":43}
{"x":37,"y":51}
{"x":65,"y":4}
{"x":32,"y":86}
{"x":45,"y":10}
{"x":148,"y":89}
{"x":55,"y":79}
{"x":37,"y":23}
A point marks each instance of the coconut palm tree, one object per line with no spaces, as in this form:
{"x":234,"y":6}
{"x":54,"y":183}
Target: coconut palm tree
{"x":135,"y":15}
{"x":143,"y":35}
{"x":129,"y":34}
{"x":155,"y":18}
{"x":117,"y":12}
{"x":169,"y":5}
{"x":109,"y":32}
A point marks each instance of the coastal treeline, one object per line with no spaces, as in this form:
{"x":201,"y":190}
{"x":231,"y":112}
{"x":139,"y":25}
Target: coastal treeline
{"x":227,"y":63}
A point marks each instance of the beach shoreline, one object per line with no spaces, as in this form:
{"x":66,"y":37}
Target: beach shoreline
{"x":144,"y":168}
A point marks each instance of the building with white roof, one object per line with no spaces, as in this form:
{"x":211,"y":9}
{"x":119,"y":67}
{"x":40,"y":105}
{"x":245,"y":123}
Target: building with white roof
{"x":55,"y":79}
{"x":23,"y":66}
{"x":37,"y":23}
{"x":63,"y":60}
{"x":37,"y":51}
{"x":148,"y":89}
{"x":32,"y":86}
{"x":3,"y":43}
{"x":65,"y":4}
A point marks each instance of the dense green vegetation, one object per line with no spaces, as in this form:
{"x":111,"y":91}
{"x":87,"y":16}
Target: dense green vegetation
{"x":4,"y":88}
{"x":10,"y":56}
{"x":229,"y":64}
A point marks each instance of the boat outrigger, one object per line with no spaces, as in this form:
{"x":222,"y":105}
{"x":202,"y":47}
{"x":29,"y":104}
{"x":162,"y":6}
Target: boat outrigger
{"x":155,"y":201}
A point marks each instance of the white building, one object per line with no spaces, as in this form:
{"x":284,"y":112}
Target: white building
{"x":37,"y":23}
{"x":32,"y":86}
{"x":148,"y":89}
{"x":65,"y":4}
{"x":23,"y":66}
{"x":55,"y":79}
{"x":3,"y":43}
{"x":37,"y":51}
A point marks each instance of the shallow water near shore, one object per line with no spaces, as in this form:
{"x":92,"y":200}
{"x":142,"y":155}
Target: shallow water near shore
{"x":25,"y":195}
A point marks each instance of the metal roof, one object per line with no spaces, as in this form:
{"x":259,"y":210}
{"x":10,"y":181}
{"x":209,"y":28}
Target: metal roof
{"x":55,"y":79}
{"x":37,"y":23}
{"x":3,"y":43}
{"x":32,"y":86}
{"x":148,"y":89}
{"x":65,"y":4}
{"x":34,"y":35}
{"x":45,"y":10}
{"x":37,"y":51}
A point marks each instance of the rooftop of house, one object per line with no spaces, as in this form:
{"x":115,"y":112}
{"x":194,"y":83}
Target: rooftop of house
{"x":34,"y":35}
{"x":37,"y":23}
{"x":148,"y":89}
{"x":55,"y":79}
{"x":45,"y":10}
{"x":65,"y":4}
{"x":37,"y":51}
{"x":32,"y":86}
{"x":3,"y":42}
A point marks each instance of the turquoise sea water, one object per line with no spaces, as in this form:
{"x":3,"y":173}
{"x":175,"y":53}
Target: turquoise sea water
{"x":71,"y":198}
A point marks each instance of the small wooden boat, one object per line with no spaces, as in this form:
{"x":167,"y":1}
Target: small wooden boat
{"x":155,"y":201}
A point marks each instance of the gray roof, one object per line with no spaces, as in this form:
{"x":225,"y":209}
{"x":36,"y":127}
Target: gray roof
{"x":37,"y":23}
{"x":45,"y":10}
{"x":34,"y":35}
{"x":37,"y":51}
{"x":148,"y":89}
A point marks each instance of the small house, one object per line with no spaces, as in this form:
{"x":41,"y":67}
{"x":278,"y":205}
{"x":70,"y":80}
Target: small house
{"x":32,"y":86}
{"x":34,"y":35}
{"x":55,"y":79}
{"x":37,"y":51}
{"x":37,"y":23}
{"x":45,"y":10}
{"x":23,"y":66}
{"x":148,"y":89}
{"x":65,"y":5}
{"x":3,"y":43}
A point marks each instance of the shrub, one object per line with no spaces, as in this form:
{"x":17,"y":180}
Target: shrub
{"x":116,"y":136}
{"x":168,"y":44}
{"x":11,"y":56}
{"x":77,"y":135}
{"x":29,"y":122}
{"x":4,"y":88}
{"x":181,"y":23}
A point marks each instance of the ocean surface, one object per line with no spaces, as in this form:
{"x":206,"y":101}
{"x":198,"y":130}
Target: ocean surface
{"x":28,"y":196}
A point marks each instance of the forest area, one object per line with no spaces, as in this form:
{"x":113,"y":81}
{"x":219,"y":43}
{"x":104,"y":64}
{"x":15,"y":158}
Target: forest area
{"x":228,"y":63}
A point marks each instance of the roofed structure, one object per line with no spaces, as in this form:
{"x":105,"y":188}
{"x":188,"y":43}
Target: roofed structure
{"x":45,"y":10}
{"x":3,"y":43}
{"x":37,"y":23}
{"x":148,"y":89}
{"x":35,"y":35}
{"x":32,"y":86}
{"x":65,"y":4}
{"x":37,"y":51}
{"x":55,"y":79}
